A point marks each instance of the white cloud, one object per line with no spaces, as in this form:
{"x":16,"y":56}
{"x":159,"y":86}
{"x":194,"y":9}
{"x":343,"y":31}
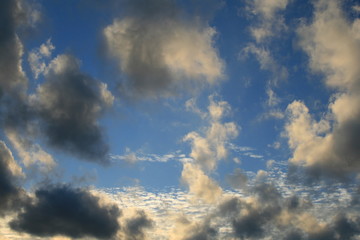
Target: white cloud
{"x":207,"y":150}
{"x":202,"y":186}
{"x":333,"y":45}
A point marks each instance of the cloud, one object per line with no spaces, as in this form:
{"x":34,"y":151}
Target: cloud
{"x":209,"y":149}
{"x":267,"y":62}
{"x":329,"y":147}
{"x":160,"y":52}
{"x":31,"y":154}
{"x":69,"y":104}
{"x":11,"y":195}
{"x":200,"y":185}
{"x":336,"y":59}
{"x":72,"y":212}
{"x":134,"y":226}
{"x":238,"y":179}
{"x":38,"y":56}
{"x":270,"y":21}
{"x":12,"y":77}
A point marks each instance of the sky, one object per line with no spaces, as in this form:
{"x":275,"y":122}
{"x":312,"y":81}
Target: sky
{"x":180,"y":119}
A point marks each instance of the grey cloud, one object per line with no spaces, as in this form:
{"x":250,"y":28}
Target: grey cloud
{"x":12,"y":79}
{"x":63,"y":210}
{"x":135,"y":226}
{"x":161,"y":50}
{"x":238,"y":179}
{"x":204,"y":232}
{"x":11,"y":195}
{"x":68,"y":105}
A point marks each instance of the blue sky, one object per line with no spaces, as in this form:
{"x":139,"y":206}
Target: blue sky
{"x":179,"y":120}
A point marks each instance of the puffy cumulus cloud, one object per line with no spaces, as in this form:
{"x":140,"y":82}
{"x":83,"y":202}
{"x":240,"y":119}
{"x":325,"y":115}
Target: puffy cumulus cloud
{"x":330,"y":146}
{"x":11,"y":195}
{"x":68,"y":105}
{"x":63,"y":210}
{"x":336,"y":59}
{"x":207,"y":150}
{"x":160,"y":50}
{"x":202,"y":186}
{"x":270,"y":21}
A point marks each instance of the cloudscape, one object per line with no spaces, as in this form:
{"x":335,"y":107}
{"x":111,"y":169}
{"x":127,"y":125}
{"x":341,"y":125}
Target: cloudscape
{"x":180,"y":119}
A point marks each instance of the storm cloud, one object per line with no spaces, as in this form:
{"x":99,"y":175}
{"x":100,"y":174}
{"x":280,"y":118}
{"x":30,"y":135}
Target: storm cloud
{"x":63,"y":210}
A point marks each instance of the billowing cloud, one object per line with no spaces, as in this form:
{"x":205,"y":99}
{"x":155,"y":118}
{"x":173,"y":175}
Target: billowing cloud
{"x":11,"y":195}
{"x":330,"y":146}
{"x":336,"y":59}
{"x":69,"y":103}
{"x":160,"y":52}
{"x":72,"y":212}
{"x":207,"y":150}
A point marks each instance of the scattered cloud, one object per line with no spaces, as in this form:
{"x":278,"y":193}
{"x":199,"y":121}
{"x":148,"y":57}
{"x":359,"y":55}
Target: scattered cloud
{"x":209,"y":149}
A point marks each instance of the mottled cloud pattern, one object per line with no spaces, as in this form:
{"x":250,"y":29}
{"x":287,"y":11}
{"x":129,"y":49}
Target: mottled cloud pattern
{"x":53,"y":105}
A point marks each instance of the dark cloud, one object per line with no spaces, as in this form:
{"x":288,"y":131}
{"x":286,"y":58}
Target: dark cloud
{"x":62,"y":210}
{"x":69,"y":104}
{"x":134,"y":227}
{"x":203,"y":232}
{"x":11,"y":76}
{"x":11,"y":195}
